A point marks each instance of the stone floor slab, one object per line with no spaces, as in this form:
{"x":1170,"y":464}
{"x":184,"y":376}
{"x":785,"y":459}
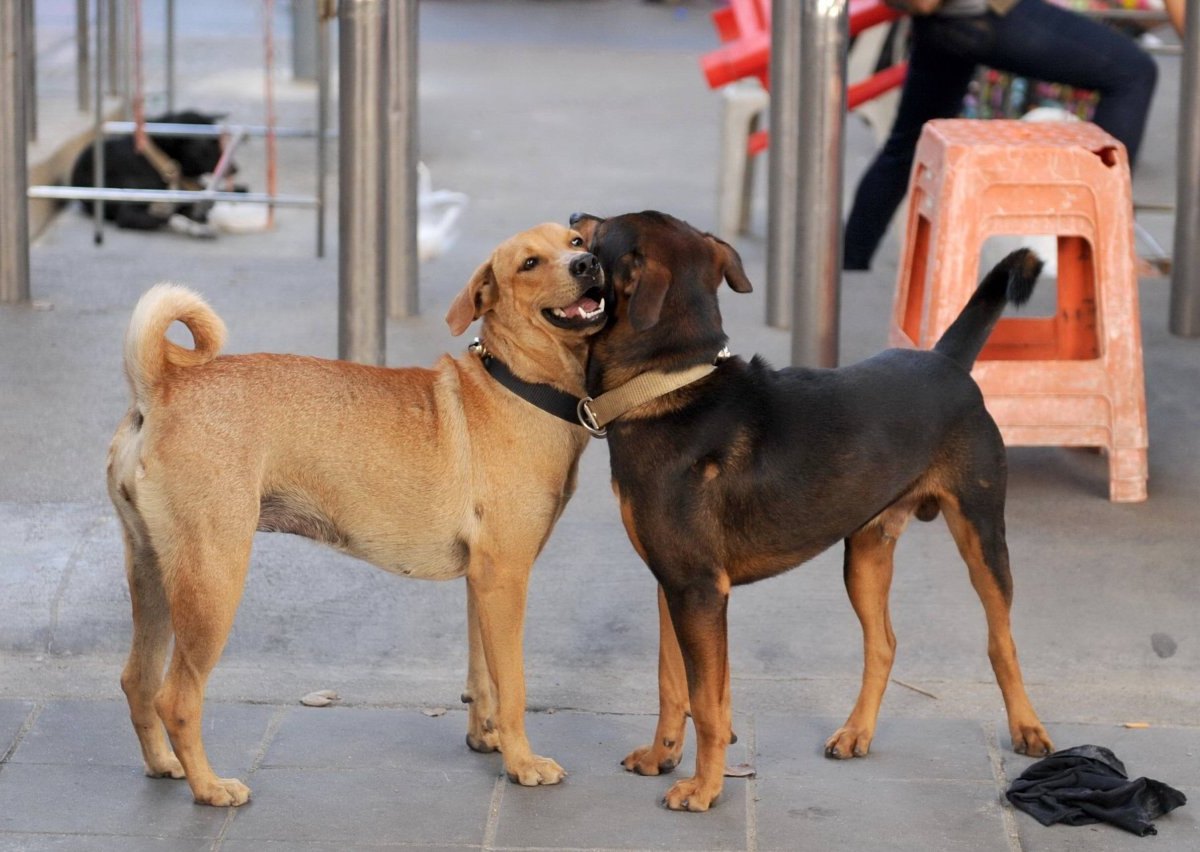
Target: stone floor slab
{"x":617,"y":811}
{"x":98,"y":843}
{"x":893,"y":815}
{"x":77,"y":799}
{"x":365,"y":807}
{"x":357,"y":738}
{"x":909,"y":749}
{"x":98,"y":733}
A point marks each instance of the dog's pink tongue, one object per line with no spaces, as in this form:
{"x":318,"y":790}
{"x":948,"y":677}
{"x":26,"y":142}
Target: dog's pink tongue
{"x":583,"y":306}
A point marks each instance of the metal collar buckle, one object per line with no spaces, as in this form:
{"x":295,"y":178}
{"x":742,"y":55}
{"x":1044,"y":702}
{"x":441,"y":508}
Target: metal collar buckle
{"x":587,"y":418}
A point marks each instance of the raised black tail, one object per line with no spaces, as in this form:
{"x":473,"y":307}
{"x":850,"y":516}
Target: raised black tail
{"x":1011,"y":280}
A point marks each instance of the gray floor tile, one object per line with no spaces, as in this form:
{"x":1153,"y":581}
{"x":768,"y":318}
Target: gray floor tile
{"x":99,"y":733}
{"x":12,"y":716}
{"x":618,"y":811}
{"x":918,"y":749}
{"x":97,"y":843}
{"x":900,"y":816}
{"x":596,"y":743}
{"x":303,"y":846}
{"x":369,"y":806}
{"x":100,"y":800}
{"x":368,"y":738}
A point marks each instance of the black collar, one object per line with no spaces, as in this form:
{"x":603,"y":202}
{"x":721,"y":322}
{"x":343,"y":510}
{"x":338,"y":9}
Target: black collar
{"x":546,"y":397}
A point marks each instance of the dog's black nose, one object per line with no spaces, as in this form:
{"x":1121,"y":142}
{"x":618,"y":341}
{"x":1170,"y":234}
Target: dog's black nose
{"x":583,"y":265}
{"x":574,"y":218}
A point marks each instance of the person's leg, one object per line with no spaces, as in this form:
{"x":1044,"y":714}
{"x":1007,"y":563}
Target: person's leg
{"x":934,"y":88}
{"x":1045,"y":42}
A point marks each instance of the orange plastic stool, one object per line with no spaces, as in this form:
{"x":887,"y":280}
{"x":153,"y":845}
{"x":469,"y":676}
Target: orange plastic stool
{"x":1073,"y":379}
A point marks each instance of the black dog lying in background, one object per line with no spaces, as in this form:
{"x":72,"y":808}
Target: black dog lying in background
{"x":125,"y":168}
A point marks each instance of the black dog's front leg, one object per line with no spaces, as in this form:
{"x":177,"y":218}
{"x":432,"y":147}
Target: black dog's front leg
{"x":698,"y":611}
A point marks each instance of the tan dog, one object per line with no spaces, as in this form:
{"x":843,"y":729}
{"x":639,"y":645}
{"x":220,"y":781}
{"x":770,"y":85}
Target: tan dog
{"x":434,"y":473}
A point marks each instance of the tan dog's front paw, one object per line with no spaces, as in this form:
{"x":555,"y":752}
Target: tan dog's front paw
{"x":1031,"y":739}
{"x":849,"y":742}
{"x":168,"y":767}
{"x":223,"y":793}
{"x":691,"y":795}
{"x":537,"y":770}
{"x":654,"y":759}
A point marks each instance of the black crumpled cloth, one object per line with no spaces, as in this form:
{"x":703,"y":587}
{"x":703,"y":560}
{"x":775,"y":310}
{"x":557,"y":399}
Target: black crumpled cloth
{"x":1087,"y":784}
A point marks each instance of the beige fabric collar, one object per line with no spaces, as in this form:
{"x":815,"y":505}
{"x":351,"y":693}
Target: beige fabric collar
{"x":596,"y":414}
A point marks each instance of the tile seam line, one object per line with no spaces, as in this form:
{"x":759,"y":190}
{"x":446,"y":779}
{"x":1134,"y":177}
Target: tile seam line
{"x":30,"y":720}
{"x":1007,"y":817}
{"x":752,"y":787}
{"x":492,"y":824}
{"x":65,"y":581}
{"x":268,"y":737}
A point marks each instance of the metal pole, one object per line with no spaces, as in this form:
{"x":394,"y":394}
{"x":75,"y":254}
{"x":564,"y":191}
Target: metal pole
{"x":403,"y":267}
{"x":324,"y":15}
{"x":83,"y":69}
{"x":98,"y":122}
{"x":29,"y":34}
{"x":1185,"y":274}
{"x":114,"y":42}
{"x":808,"y":101}
{"x":14,"y":177}
{"x":362,"y":178}
{"x":304,"y":39}
{"x":170,"y":36}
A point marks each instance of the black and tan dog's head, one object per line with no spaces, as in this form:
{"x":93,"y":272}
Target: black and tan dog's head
{"x":663,"y":277}
{"x":543,"y":278}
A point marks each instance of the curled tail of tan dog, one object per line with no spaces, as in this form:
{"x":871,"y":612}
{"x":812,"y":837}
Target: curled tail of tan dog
{"x":148,"y":352}
{"x":1010,"y":282}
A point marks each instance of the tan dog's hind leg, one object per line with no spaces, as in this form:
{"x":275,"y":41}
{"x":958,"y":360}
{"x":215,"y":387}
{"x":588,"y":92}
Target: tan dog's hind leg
{"x":147,"y":655}
{"x":499,"y":599}
{"x":480,"y":694}
{"x":868,"y":576}
{"x":206,"y":581}
{"x":993,"y":584}
{"x":663,"y":754}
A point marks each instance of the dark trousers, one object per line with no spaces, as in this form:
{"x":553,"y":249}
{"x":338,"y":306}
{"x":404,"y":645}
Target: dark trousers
{"x":1035,"y":39}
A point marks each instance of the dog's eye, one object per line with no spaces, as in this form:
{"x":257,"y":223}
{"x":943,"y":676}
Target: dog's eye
{"x":577,"y":241}
{"x":530,"y":263}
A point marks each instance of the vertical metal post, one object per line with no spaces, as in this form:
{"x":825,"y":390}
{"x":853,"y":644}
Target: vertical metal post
{"x":14,"y":177}
{"x":808,"y":99}
{"x":29,"y":35}
{"x":362,"y":178}
{"x":323,"y":14}
{"x":304,"y":39}
{"x":170,"y":36}
{"x":83,"y":71}
{"x":98,"y":122}
{"x":402,"y":262}
{"x":114,"y":42}
{"x":1185,"y":274}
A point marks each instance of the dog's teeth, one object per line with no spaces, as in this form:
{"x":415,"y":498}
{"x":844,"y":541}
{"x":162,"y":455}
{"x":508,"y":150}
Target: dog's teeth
{"x":600,"y":307}
{"x":558,"y":312}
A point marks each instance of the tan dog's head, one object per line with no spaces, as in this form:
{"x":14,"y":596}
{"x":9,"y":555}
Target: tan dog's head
{"x":545,"y":278}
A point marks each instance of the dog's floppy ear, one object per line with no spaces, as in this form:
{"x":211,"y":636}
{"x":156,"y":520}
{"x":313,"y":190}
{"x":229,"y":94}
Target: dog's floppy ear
{"x":475,"y":300}
{"x":647,"y":281}
{"x":731,"y":265}
{"x":585,"y":224}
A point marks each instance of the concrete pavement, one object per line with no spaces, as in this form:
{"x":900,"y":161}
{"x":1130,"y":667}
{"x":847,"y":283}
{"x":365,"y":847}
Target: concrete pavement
{"x":538,"y":109}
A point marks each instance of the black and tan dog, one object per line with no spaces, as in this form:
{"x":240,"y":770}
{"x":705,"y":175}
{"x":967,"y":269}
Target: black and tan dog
{"x":432,"y":473}
{"x":748,"y":471}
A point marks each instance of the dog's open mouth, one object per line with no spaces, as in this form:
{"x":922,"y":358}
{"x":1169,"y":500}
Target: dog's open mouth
{"x":586,"y":311}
